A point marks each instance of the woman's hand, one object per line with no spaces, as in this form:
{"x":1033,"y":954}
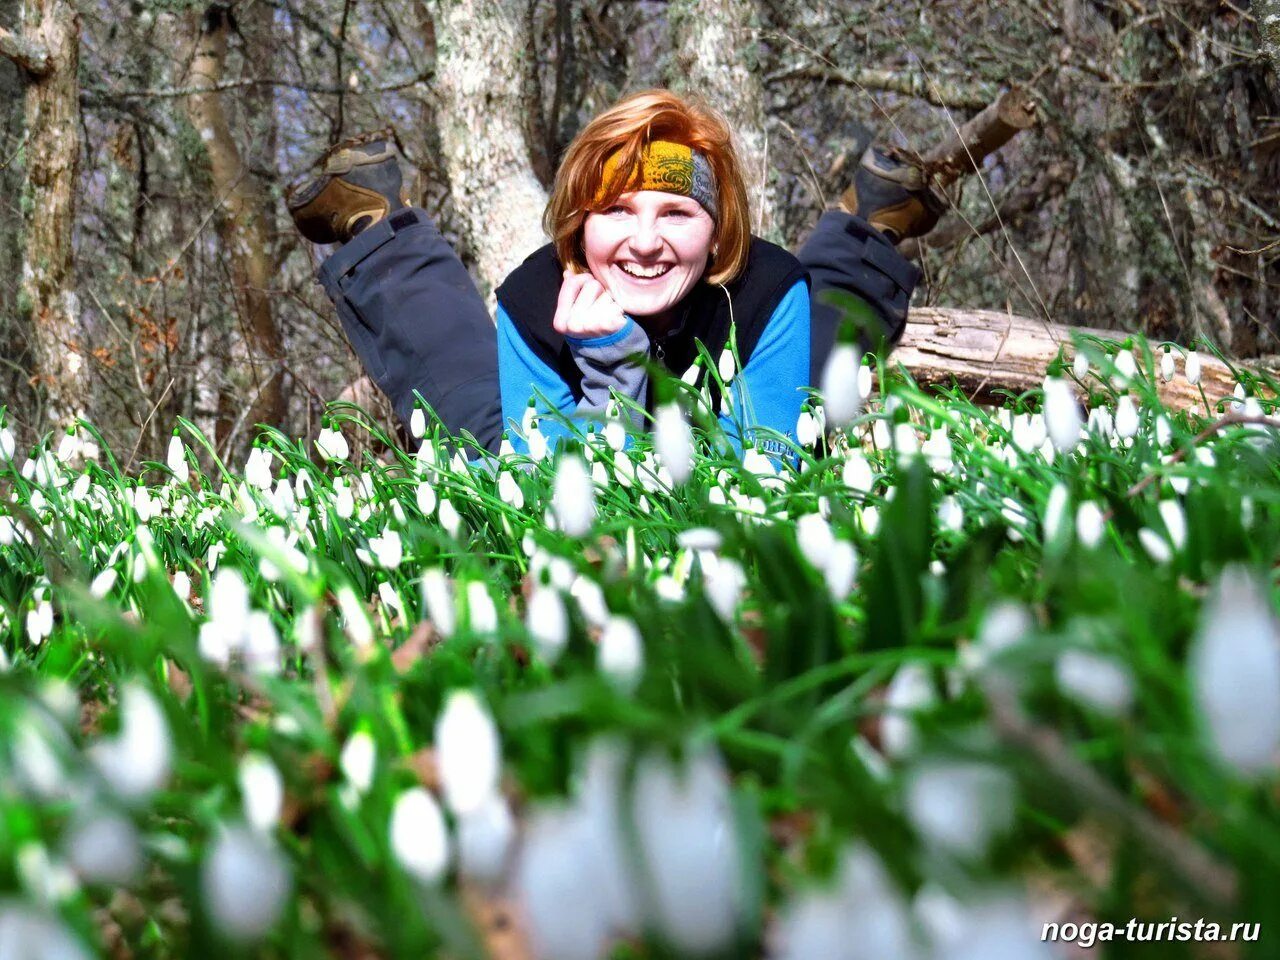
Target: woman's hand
{"x":586,"y":309}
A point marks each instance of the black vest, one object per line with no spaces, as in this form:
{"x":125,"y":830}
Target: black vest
{"x":530,"y":292}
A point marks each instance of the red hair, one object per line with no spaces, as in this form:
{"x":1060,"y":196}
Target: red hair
{"x":624,"y":129}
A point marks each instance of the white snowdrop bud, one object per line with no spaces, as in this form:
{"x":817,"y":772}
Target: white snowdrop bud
{"x":620,"y":653}
{"x":673,"y":441}
{"x":547,"y":622}
{"x":1126,"y":366}
{"x":485,"y":837}
{"x":1080,"y":365}
{"x":437,"y":596}
{"x":538,"y":446}
{"x":813,"y":534}
{"x":176,"y":459}
{"x":905,"y":442}
{"x":806,"y":429}
{"x":245,"y":882}
{"x":509,"y":490}
{"x":1126,"y":418}
{"x":359,"y":761}
{"x":615,"y":435}
{"x":842,"y":567}
{"x":910,"y":691}
{"x":103,"y":848}
{"x":864,"y":381}
{"x":419,"y":837}
{"x":388,"y":549}
{"x":332,"y":444}
{"x":257,"y":470}
{"x":840,"y":394}
{"x":261,"y":791}
{"x":559,"y":887}
{"x":960,"y":806}
{"x":1061,"y":415}
{"x":103,"y":582}
{"x":574,"y":498}
{"x":1055,"y":511}
{"x":449,"y":517}
{"x":1235,"y":673}
{"x":724,"y":583}
{"x":426,"y":498}
{"x":950,"y":514}
{"x":344,"y":502}
{"x":726,"y":365}
{"x":1096,"y":681}
{"x":1191,"y":366}
{"x":1089,"y":524}
{"x":1157,"y":549}
{"x":1166,"y":365}
{"x":1175,"y":522}
{"x":856,"y":473}
{"x":417,"y":423}
{"x":7,"y":445}
{"x":468,"y":752}
{"x":482,"y":615}
{"x":136,"y":761}
{"x":1004,"y":625}
{"x":1164,"y":432}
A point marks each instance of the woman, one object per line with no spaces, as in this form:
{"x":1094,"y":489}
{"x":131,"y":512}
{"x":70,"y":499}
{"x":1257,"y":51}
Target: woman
{"x":650,"y":253}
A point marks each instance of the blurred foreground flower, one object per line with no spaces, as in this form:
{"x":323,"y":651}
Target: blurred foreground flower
{"x":135,"y":762}
{"x":245,"y":882}
{"x":468,"y":751}
{"x":419,"y":838}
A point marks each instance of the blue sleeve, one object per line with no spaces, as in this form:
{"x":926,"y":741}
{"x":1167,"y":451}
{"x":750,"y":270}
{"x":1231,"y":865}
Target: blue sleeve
{"x":768,"y":392}
{"x":523,"y":375}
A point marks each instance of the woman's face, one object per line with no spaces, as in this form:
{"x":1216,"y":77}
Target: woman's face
{"x":648,"y":250}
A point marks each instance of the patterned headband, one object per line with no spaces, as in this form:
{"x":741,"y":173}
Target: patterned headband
{"x":671,"y":168}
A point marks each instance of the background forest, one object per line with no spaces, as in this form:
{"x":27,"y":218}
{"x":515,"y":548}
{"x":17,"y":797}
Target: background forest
{"x":151,"y":270}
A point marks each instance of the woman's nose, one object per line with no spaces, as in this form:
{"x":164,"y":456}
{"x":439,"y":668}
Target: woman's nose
{"x":646,"y":240}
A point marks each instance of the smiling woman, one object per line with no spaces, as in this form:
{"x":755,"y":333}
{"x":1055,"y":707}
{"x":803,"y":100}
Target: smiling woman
{"x":650,"y":257}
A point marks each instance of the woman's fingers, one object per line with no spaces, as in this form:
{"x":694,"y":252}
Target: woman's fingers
{"x":585,"y":309}
{"x":570,"y":287}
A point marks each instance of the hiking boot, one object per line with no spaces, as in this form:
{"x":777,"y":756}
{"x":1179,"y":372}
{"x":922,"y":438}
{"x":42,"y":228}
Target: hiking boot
{"x":892,"y":195}
{"x":358,"y":184}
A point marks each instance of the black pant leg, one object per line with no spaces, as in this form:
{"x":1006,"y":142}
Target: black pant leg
{"x":416,"y":321}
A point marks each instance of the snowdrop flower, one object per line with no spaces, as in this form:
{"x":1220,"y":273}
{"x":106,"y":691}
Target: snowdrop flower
{"x":468,"y":752}
{"x":245,"y":882}
{"x":864,"y":380}
{"x":673,"y":441}
{"x":806,"y":428}
{"x":1235,"y":673}
{"x":723,"y":583}
{"x":485,"y":838}
{"x":959,"y":806}
{"x":510,"y":491}
{"x":1080,"y":365}
{"x":950,"y":514}
{"x":726,"y":366}
{"x":417,"y":423}
{"x":419,"y":838}
{"x":1175,"y":522}
{"x":699,"y":538}
{"x":547,"y":622}
{"x":1191,"y":367}
{"x":176,"y":459}
{"x":688,"y":846}
{"x":538,"y":447}
{"x":359,"y":761}
{"x":905,"y":441}
{"x":856,"y":472}
{"x":1096,"y":681}
{"x":103,"y":582}
{"x":1089,"y":524}
{"x":261,"y":791}
{"x":910,"y":691}
{"x":615,"y":434}
{"x":1061,"y":415}
{"x":881,"y":436}
{"x":344,"y":502}
{"x":7,"y":444}
{"x":450,"y":520}
{"x":937,"y":450}
{"x":1157,"y":549}
{"x":257,"y":470}
{"x":1126,"y":366}
{"x":355,"y":618}
{"x":813,"y":534}
{"x":840,"y":393}
{"x":388,"y":549}
{"x":841,"y":568}
{"x":482,"y":615}
{"x":1166,"y":365}
{"x":620,"y":653}
{"x":437,"y":596}
{"x":559,"y":886}
{"x":136,"y":761}
{"x":1127,"y":421}
{"x":1004,"y":625}
{"x":1055,"y":511}
{"x":104,"y":848}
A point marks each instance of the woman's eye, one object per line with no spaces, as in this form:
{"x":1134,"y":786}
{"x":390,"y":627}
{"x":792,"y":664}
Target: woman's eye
{"x":679,"y":214}
{"x":615,"y":209}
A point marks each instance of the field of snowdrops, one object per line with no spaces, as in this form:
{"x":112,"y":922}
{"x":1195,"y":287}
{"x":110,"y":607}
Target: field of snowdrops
{"x":942,"y":676}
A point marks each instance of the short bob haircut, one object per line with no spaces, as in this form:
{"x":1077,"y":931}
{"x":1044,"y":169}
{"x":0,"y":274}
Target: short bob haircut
{"x":626,"y":127}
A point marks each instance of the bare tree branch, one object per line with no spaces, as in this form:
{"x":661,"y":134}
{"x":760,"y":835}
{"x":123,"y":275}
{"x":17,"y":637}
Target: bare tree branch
{"x":941,"y":93}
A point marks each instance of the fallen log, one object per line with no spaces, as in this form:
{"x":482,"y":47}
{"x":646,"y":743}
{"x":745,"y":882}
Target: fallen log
{"x":988,"y":354}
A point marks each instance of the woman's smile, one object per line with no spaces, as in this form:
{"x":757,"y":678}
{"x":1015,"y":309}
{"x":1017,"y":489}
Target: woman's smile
{"x":649,"y":249}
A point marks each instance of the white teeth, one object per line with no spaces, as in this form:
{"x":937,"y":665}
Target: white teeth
{"x":645,"y":273}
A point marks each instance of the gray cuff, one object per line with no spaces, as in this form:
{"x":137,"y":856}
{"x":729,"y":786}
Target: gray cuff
{"x":613,"y":361}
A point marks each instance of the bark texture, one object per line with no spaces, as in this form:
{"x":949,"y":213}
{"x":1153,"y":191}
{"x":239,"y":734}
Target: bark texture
{"x":11,"y":134}
{"x":48,"y":53}
{"x":497,"y":198}
{"x":983,"y":351}
{"x":245,"y":234}
{"x":1268,"y":14}
{"x":717,"y":57}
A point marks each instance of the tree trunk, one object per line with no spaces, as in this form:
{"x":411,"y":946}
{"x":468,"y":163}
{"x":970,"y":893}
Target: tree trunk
{"x":11,"y":133}
{"x":1268,"y":15}
{"x":48,"y":51}
{"x":496,"y":196}
{"x":245,"y":237}
{"x":717,"y":45}
{"x":984,"y":351}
